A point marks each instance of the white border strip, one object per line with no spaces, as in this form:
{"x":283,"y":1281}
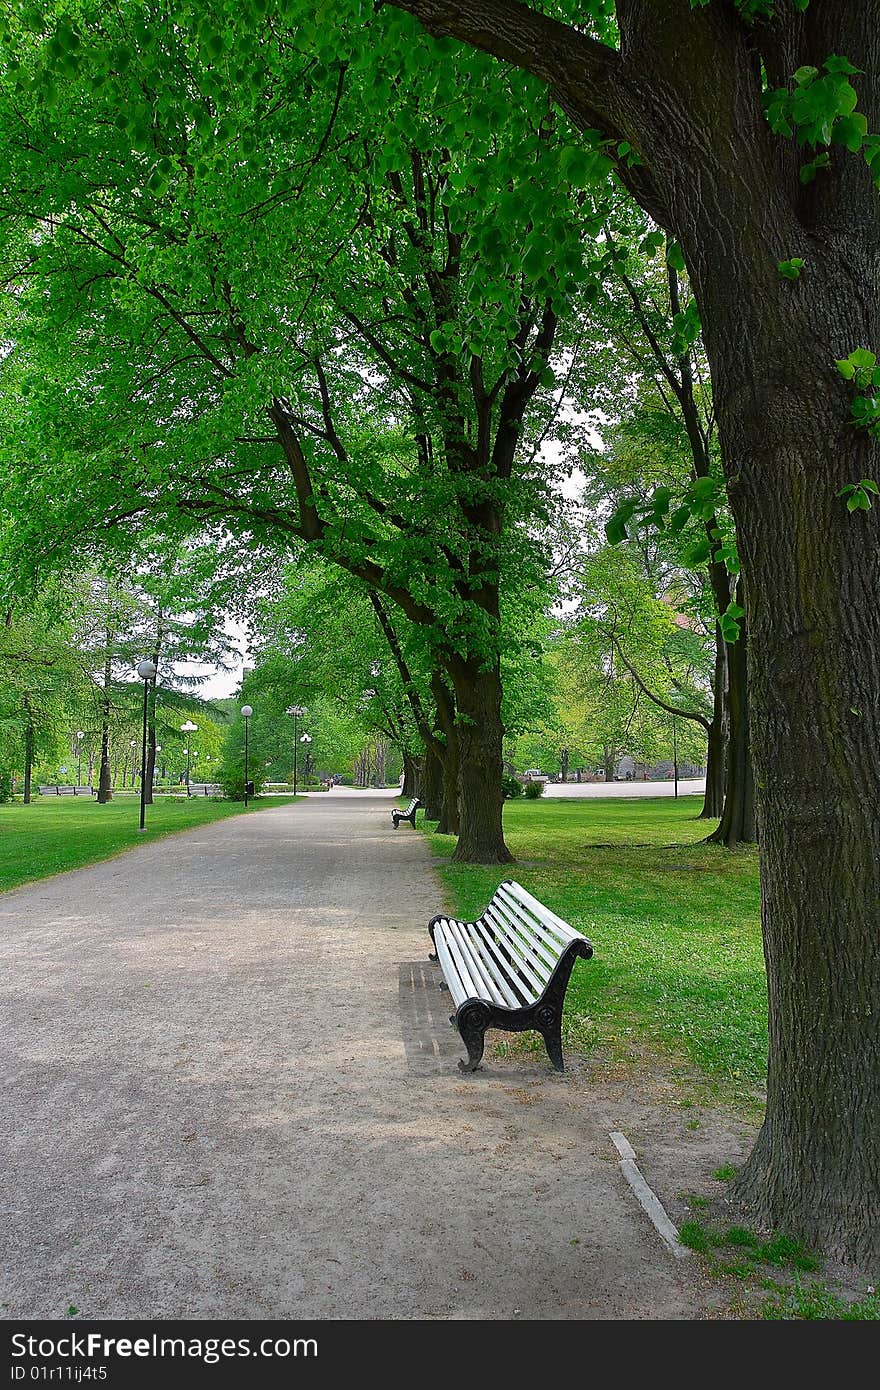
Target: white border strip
{"x":646,"y":1197}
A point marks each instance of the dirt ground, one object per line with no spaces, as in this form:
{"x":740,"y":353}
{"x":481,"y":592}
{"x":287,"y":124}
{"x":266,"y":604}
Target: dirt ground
{"x":229,"y":1090}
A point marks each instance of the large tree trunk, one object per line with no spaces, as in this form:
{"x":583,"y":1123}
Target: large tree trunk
{"x":480,"y":733}
{"x":812,"y":571}
{"x":411,"y":775}
{"x":814,"y":668}
{"x":379,"y":764}
{"x":609,"y":762}
{"x":444,"y":701}
{"x":149,"y":771}
{"x":432,"y":782}
{"x":713,"y":801}
{"x":738,"y":817}
{"x":105,"y":780}
{"x":28,"y":756}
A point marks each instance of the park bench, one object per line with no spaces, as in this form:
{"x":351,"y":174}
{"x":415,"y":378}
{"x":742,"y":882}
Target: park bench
{"x":409,"y":814}
{"x":65,"y":791}
{"x":509,"y":969}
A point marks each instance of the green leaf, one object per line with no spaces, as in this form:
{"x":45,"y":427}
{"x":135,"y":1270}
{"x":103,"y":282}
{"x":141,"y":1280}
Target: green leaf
{"x":809,"y":171}
{"x":863,"y":359}
{"x":697,"y":554}
{"x":836,"y":63}
{"x":791,"y":269}
{"x":674,"y":258}
{"x":850,"y":131}
{"x":846,"y":368}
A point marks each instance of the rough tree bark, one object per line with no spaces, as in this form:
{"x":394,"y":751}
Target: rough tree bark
{"x":480,"y":735}
{"x":685,"y":93}
{"x":411,"y":775}
{"x":150,"y":769}
{"x":713,"y":800}
{"x":737,"y":825}
{"x":105,"y":779}
{"x":444,"y":703}
{"x":28,"y":753}
{"x":432,"y":782}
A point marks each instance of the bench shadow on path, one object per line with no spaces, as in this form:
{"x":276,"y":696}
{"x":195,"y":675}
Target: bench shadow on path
{"x":433,"y":1046}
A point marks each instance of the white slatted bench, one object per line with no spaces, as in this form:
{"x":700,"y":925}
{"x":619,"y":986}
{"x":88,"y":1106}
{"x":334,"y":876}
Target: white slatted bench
{"x":409,"y":814}
{"x":509,"y":969}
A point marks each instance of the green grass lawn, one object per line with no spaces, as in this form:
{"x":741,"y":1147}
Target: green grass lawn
{"x":58,"y":833}
{"x":675,"y":926}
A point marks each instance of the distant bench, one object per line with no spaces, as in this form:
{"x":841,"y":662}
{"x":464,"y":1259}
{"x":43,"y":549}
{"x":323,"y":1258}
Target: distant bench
{"x":203,"y":788}
{"x":409,"y":814}
{"x":509,"y":969}
{"x":66,"y":791}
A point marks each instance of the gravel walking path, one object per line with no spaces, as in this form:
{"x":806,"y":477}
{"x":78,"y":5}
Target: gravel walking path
{"x":229,"y":1090}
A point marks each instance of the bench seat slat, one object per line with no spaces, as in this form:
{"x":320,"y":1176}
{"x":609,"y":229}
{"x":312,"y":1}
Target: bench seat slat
{"x":528,"y":941}
{"x":509,"y":982}
{"x":517,"y":950}
{"x":479,"y":965}
{"x":545,"y":947}
{"x":468,"y":974}
{"x":548,"y":931}
{"x":532,"y":930}
{"x":518,"y":894}
{"x":475,"y":960}
{"x":449,"y":966}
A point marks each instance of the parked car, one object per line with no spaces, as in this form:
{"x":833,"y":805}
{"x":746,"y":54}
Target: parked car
{"x":535,"y":772}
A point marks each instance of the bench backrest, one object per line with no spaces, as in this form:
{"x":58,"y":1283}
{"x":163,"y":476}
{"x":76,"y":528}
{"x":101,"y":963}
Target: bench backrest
{"x":412,"y":805}
{"x":509,"y":954}
{"x":66,"y":791}
{"x":48,"y":791}
{"x":529,"y":934}
{"x":82,"y":791}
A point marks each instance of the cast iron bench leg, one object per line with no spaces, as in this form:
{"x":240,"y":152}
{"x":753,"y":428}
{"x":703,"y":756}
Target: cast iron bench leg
{"x":551,"y":1031}
{"x":472,"y":1020}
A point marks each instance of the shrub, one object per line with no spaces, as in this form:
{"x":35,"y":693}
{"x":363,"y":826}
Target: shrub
{"x":231,"y":781}
{"x":534,"y":790}
{"x":511,"y":786}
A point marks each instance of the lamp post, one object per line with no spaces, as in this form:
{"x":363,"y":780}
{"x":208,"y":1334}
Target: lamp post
{"x":297,"y":711}
{"x":188,"y":728}
{"x":155,"y":774}
{"x":132,"y":745}
{"x":246,"y":711}
{"x":306,"y":739}
{"x":79,"y":756}
{"x":146,"y":670}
